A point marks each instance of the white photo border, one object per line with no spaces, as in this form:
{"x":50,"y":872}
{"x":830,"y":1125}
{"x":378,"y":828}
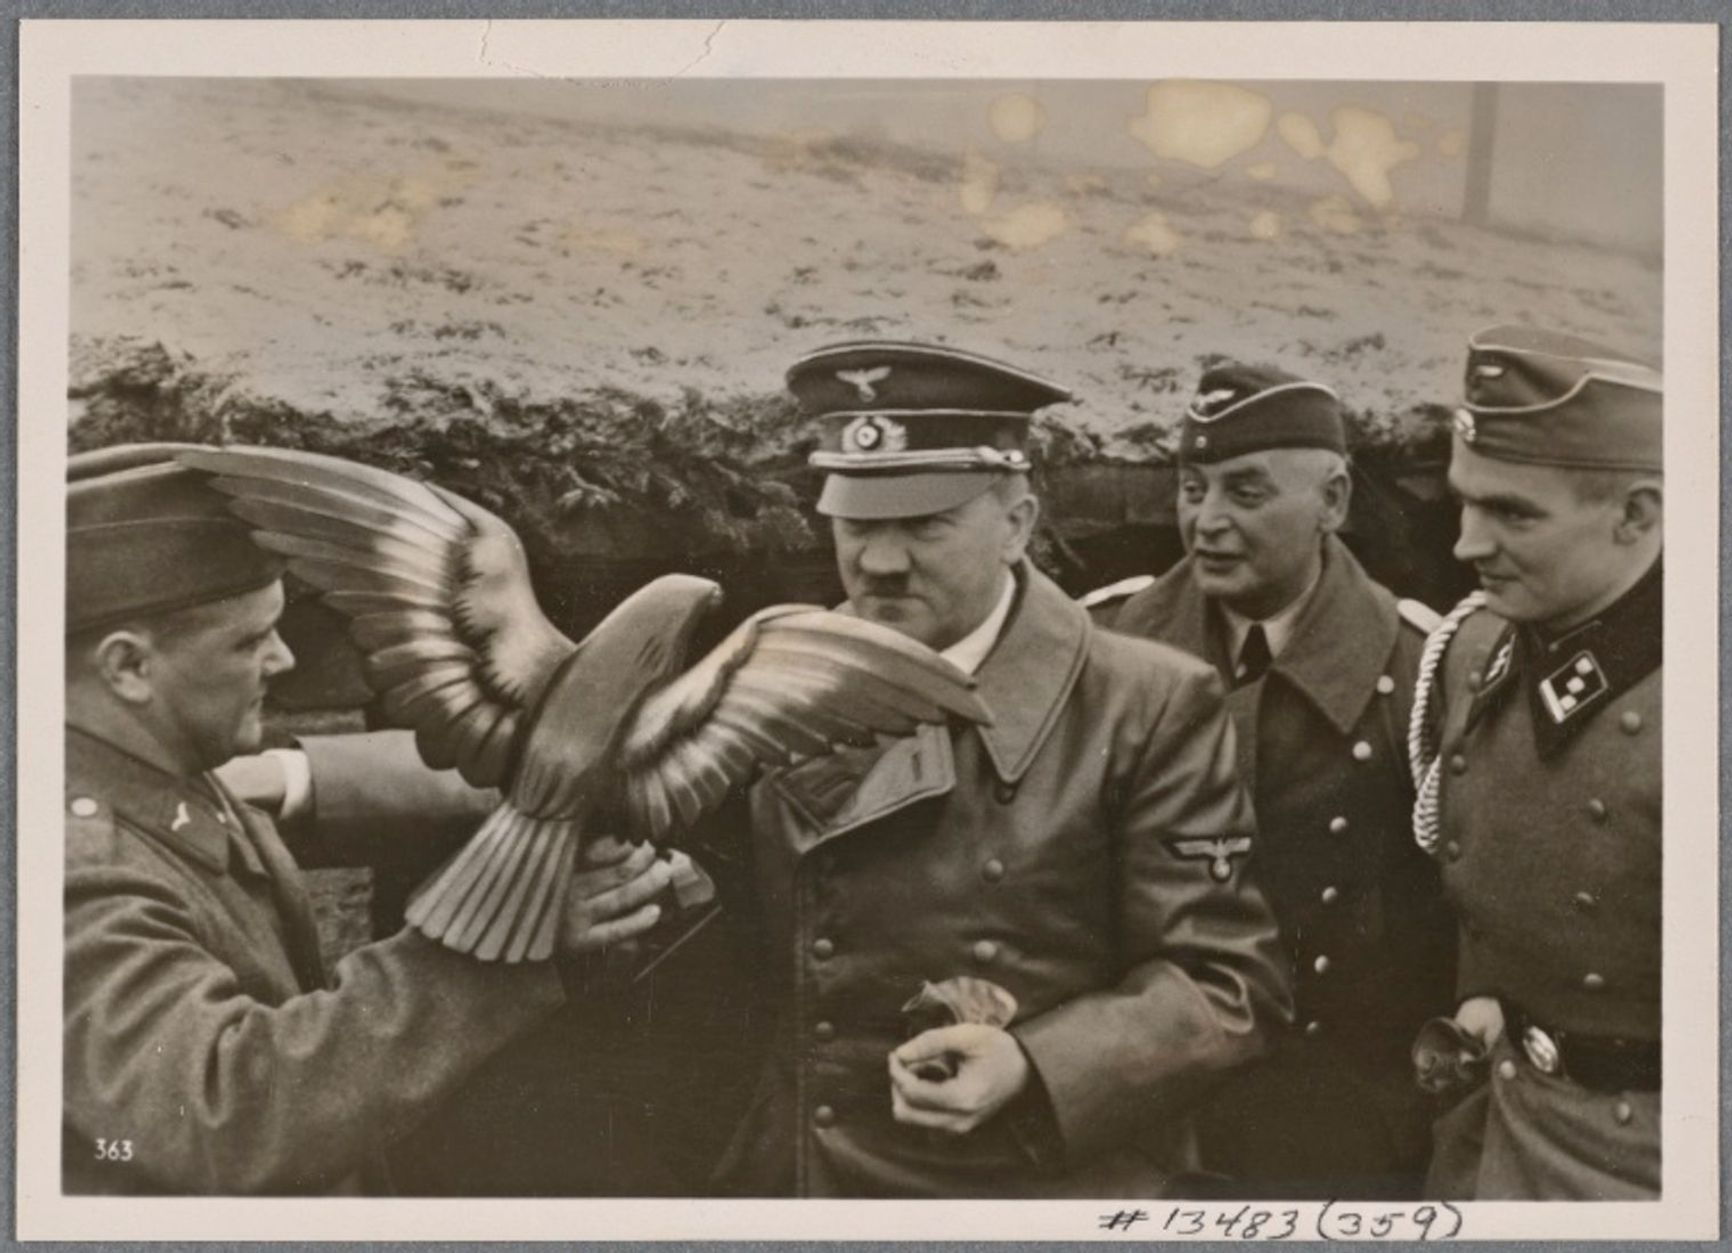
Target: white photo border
{"x":1682,"y":58}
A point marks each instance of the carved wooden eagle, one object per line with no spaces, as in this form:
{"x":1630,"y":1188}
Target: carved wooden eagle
{"x":438,"y":598}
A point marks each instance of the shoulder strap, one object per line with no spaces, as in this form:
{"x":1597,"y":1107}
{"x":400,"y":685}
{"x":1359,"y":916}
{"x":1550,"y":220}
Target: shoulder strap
{"x":1422,"y":753}
{"x":1115,"y":591}
{"x":1418,"y":615}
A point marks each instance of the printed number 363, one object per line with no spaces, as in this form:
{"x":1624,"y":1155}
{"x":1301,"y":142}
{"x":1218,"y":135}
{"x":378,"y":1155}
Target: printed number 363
{"x":113,"y":1150}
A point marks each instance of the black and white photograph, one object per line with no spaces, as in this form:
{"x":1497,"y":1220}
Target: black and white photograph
{"x":743,"y":613}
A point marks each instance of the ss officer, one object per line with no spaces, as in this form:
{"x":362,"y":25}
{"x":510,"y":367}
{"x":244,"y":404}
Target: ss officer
{"x":1539,"y":737}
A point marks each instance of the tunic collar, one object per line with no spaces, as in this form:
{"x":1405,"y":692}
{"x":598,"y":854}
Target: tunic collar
{"x":1571,"y":678}
{"x":1026,"y":678}
{"x":1277,"y":630}
{"x":188,"y":814}
{"x":1336,"y":652}
{"x":969,"y":651}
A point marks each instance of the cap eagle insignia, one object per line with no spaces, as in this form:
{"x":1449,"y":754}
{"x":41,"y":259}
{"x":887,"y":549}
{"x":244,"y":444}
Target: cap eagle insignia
{"x":863,"y":380}
{"x":1210,"y":404}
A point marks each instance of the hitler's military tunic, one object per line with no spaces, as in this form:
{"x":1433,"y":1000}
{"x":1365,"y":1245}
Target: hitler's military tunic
{"x":1334,"y":1111}
{"x":1086,"y":853}
{"x":205,"y":1049}
{"x":1551,"y":849}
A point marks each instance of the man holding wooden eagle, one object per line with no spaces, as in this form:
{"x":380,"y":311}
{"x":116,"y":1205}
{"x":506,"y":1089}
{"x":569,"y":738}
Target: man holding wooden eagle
{"x":997,"y":860}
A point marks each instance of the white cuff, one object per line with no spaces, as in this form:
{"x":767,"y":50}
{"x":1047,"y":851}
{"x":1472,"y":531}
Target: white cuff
{"x":297,"y":781}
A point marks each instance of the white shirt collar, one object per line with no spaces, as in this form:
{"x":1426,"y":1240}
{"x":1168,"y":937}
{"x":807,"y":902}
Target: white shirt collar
{"x":970,"y":651}
{"x":1276,"y":630}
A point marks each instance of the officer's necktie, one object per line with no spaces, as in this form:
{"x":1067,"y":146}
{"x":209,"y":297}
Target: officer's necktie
{"x":1253,"y":656}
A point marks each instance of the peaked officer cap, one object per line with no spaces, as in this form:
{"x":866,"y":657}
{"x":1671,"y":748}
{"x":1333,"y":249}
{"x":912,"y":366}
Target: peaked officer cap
{"x":145,"y":535}
{"x":1552,"y":399}
{"x":1241,"y":409}
{"x":914,"y":429}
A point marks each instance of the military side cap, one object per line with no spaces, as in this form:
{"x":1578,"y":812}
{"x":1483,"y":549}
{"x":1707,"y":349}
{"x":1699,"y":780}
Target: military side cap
{"x":914,"y":429}
{"x":145,"y":536}
{"x":1551,"y":399}
{"x":1241,"y":409}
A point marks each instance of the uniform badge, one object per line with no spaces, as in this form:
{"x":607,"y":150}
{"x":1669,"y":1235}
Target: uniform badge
{"x":1464,"y":426}
{"x":1218,"y":851}
{"x":1499,"y":664}
{"x":1208,"y":406}
{"x":181,"y":818}
{"x":1571,"y":688}
{"x":874,"y":433}
{"x":863,"y":380}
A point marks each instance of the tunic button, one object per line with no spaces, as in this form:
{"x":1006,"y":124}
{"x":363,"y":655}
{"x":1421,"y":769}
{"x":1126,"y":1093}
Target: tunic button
{"x":1597,"y":809}
{"x":822,"y":949}
{"x":1337,"y":825}
{"x":1362,"y":751}
{"x":1458,"y":764}
{"x":824,"y":1116}
{"x":985,"y":951}
{"x":1385,"y":685}
{"x":1452,"y":851}
{"x":1622,"y":1112}
{"x":1201,"y":441}
{"x":1321,"y":965}
{"x":83,"y":807}
{"x":1630,"y":721}
{"x":1313,"y":1029}
{"x":993,"y":870}
{"x":1506,"y":1070}
{"x":824,"y":1032}
{"x":1004,"y":793}
{"x":1331,"y":895}
{"x":1585,"y":902}
{"x":1593,"y":982}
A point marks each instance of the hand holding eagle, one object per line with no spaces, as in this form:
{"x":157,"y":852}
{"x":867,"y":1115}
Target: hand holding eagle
{"x":438,"y":597}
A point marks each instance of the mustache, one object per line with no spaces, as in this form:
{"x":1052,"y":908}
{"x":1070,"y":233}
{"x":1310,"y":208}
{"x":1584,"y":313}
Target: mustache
{"x":895,"y":585}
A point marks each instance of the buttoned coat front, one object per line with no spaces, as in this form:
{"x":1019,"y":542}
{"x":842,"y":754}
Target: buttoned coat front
{"x":205,"y":1049}
{"x":1322,"y":739}
{"x":1553,"y":865}
{"x":1087,"y":852}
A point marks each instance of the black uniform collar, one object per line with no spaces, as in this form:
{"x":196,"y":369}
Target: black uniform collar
{"x":1571,"y":677}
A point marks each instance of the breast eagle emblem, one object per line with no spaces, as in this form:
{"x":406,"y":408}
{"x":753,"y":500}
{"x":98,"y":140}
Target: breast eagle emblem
{"x":1219,"y":851}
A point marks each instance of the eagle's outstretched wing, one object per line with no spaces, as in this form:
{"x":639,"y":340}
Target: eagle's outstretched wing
{"x":789,"y":681}
{"x":436,"y":590}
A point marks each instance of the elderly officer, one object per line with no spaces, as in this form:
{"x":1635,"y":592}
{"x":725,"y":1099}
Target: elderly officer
{"x":205,"y":1050}
{"x":1320,"y":661}
{"x":1541,"y":747}
{"x":1085,"y":854}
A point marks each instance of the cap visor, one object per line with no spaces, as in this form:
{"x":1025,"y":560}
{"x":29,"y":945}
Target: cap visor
{"x":869,"y":497}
